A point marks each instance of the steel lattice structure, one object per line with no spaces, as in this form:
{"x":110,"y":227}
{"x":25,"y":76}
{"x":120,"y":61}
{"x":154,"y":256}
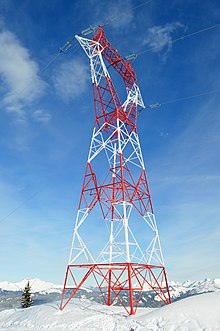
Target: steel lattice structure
{"x":115,"y":180}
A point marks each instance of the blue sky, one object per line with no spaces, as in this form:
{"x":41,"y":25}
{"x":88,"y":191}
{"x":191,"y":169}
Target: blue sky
{"x":46,"y":120}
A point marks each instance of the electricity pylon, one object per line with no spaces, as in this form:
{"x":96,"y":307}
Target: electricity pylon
{"x":115,"y":194}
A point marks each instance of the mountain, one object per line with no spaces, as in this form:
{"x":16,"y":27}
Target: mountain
{"x":187,"y":288}
{"x":46,"y":292}
{"x":36,"y":284}
{"x":200,"y":312}
{"x":176,"y":288}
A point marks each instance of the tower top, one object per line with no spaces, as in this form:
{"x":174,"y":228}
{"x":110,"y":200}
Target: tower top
{"x":108,"y":106}
{"x":121,"y":65}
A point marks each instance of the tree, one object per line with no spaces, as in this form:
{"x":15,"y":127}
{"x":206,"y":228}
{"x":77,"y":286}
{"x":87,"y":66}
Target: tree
{"x":26,"y":300}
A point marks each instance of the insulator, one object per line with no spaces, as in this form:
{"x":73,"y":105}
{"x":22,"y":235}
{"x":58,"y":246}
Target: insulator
{"x":65,"y":47}
{"x":154,"y":105}
{"x":88,"y":30}
{"x":130,"y":57}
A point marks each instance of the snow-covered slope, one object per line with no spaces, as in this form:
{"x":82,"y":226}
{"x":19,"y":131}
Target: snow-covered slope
{"x":37,"y":285}
{"x":199,"y":312}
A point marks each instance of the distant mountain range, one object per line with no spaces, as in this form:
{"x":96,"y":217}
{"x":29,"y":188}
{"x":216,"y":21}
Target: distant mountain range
{"x":44,"y":292}
{"x":37,"y":286}
{"x":187,"y":288}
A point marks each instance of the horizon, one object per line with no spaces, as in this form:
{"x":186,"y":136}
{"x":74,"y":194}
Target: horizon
{"x":49,"y":282}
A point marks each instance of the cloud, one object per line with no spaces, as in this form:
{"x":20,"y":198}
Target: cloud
{"x":71,"y":78}
{"x":41,"y":116}
{"x":19,"y":75}
{"x":116,"y":13}
{"x":160,"y":38}
{"x":119,"y":14}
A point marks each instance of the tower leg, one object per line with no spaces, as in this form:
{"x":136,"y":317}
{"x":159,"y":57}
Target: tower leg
{"x":76,"y":286}
{"x":109,"y":287}
{"x":132,"y":312}
{"x":167,"y":286}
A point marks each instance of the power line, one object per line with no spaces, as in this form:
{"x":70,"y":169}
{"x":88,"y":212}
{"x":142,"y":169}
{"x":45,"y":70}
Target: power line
{"x":45,"y":67}
{"x":115,"y":18}
{"x":68,"y":44}
{"x":63,"y":49}
{"x":18,"y":207}
{"x":197,"y":32}
{"x":156,"y":105}
{"x":190,"y":97}
{"x":48,"y":63}
{"x":181,"y":38}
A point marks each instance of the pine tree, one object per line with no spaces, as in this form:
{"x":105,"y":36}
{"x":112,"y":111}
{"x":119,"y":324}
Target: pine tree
{"x":26,"y":300}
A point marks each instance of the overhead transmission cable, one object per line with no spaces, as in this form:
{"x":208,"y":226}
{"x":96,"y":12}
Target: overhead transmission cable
{"x":117,"y":17}
{"x":48,"y":63}
{"x":91,"y":29}
{"x":18,"y":207}
{"x":187,"y":97}
{"x":131,"y":57}
{"x":190,"y":97}
{"x":156,"y":105}
{"x":181,"y":38}
{"x":63,"y":50}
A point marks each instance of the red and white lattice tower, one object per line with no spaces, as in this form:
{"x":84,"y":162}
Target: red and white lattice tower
{"x":115,"y":214}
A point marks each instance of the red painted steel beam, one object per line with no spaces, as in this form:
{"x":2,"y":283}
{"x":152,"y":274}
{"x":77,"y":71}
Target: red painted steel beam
{"x":123,"y":67}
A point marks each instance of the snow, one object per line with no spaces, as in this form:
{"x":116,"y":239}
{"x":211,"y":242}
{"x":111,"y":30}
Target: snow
{"x":194,"y":287}
{"x":200,"y":312}
{"x":36,"y":284}
{"x":217,"y":282}
{"x":176,"y":288}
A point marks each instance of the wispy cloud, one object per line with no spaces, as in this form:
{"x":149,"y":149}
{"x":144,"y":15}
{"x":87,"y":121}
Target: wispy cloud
{"x":41,"y":116}
{"x":116,"y":13}
{"x":19,"y":74}
{"x":120,"y":14}
{"x":71,"y":78}
{"x":160,"y":37}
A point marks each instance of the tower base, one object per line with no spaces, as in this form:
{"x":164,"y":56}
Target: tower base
{"x":117,"y":282}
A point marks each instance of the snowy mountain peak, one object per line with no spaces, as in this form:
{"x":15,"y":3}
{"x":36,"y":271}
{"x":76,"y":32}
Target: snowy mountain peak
{"x":189,"y":287}
{"x":36,"y":284}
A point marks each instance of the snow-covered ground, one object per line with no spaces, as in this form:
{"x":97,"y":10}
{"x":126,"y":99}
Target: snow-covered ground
{"x":200,"y":312}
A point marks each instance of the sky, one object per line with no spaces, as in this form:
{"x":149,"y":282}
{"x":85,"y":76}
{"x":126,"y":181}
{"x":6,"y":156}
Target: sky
{"x":46,"y":121}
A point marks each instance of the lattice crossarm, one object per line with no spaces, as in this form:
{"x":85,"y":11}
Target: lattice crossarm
{"x":94,"y":51}
{"x":134,"y":96}
{"x":91,"y":47}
